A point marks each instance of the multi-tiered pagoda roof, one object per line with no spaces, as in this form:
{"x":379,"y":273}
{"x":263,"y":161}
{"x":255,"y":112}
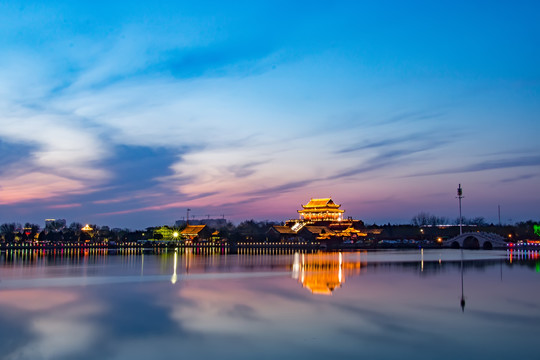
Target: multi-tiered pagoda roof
{"x":321,"y":210}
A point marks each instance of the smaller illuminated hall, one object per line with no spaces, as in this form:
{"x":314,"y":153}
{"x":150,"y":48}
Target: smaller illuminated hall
{"x":196,"y":233}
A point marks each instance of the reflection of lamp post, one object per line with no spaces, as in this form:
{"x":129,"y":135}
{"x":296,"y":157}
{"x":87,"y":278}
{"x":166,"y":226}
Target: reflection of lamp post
{"x":296,"y":266}
{"x":462,"y":302}
{"x":174,"y":277}
{"x":142,"y":264}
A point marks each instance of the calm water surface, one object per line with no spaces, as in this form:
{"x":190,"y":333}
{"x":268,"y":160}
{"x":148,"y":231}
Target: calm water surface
{"x":203,"y":305}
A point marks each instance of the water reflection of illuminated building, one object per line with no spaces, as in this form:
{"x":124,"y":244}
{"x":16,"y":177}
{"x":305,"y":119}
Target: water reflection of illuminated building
{"x":322,"y":273}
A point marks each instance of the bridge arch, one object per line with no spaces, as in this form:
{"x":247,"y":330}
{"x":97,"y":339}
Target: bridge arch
{"x":476,"y":240}
{"x":471,"y":242}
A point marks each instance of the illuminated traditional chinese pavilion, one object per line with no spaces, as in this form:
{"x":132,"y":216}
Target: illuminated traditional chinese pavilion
{"x":321,"y":220}
{"x":321,"y":210}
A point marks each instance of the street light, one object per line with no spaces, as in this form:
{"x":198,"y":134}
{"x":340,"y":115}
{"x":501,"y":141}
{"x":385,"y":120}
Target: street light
{"x":460,"y":196}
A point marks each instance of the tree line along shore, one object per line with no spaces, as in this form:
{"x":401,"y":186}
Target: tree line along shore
{"x":248,"y":232}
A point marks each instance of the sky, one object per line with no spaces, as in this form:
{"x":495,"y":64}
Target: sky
{"x":127,"y":113}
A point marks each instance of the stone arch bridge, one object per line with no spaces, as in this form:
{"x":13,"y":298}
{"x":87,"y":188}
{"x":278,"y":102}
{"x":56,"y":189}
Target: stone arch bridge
{"x":476,"y":240}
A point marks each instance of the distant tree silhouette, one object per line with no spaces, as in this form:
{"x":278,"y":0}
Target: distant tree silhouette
{"x":54,"y":226}
{"x":75,"y":227}
{"x":34,"y":228}
{"x":9,"y":231}
{"x":478,"y":221}
{"x":425,"y":218}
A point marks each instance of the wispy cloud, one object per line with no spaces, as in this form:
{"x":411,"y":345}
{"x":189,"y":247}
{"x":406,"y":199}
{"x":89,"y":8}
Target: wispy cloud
{"x":520,"y":161}
{"x":64,"y":206}
{"x":390,"y":157}
{"x":17,"y":188}
{"x":411,"y":116}
{"x":217,"y":60}
{"x":62,"y":155}
{"x":518,"y":178}
{"x":140,"y":195}
{"x":282,"y":188}
{"x":432,"y":138}
{"x":244,"y":170}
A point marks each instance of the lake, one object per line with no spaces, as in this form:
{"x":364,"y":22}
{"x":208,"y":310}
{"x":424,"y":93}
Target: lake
{"x":204,"y":304}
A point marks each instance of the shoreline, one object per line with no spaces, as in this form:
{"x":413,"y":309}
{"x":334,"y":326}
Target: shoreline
{"x":283,"y":246}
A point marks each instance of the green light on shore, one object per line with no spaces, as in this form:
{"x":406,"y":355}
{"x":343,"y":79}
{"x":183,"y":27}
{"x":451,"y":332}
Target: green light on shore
{"x":537,"y":229}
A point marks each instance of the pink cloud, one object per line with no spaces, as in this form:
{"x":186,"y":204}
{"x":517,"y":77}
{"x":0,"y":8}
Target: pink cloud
{"x":38,"y":186}
{"x":64,"y":206}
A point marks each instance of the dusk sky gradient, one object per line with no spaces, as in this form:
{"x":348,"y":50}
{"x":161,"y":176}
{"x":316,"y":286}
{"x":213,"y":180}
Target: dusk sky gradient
{"x":126,"y":113}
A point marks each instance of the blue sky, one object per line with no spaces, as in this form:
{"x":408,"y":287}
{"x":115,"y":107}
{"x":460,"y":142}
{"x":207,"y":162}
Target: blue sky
{"x":127,"y":113}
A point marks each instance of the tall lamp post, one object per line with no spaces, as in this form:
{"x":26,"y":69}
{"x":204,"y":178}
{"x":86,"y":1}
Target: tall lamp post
{"x":460,"y":196}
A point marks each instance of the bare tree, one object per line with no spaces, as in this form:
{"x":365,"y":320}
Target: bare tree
{"x":425,"y":218}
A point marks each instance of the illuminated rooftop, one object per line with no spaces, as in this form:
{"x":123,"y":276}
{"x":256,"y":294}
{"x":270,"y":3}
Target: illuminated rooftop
{"x":321,"y":203}
{"x":321,"y":210}
{"x":192,"y":230}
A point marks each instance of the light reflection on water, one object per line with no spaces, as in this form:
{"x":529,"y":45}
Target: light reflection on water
{"x":193,"y":303}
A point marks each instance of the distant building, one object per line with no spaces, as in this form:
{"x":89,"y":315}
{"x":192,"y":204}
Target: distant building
{"x":281,"y":233}
{"x":196,"y":233}
{"x":87,"y":228}
{"x":213,"y":223}
{"x":313,"y":233}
